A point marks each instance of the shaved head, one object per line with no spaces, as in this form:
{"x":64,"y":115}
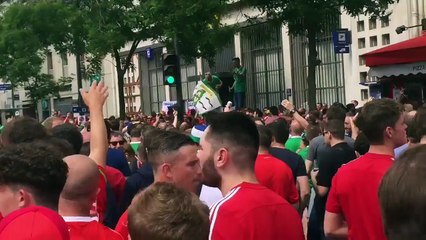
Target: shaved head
{"x":83,"y":179}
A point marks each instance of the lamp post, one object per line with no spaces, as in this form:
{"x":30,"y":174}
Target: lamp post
{"x":403,"y":28}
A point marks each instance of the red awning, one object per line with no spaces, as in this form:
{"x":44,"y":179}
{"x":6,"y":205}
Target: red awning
{"x":410,"y":51}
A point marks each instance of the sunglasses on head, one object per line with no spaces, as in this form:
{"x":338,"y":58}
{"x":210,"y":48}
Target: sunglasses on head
{"x":115,"y":143}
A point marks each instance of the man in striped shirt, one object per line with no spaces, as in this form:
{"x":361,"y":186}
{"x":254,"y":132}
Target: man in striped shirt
{"x":249,"y":210}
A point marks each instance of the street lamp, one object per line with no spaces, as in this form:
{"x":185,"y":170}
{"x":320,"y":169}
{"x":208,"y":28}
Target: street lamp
{"x":402,"y":28}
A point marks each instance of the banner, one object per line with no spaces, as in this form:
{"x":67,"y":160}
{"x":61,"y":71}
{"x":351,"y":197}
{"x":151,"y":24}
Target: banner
{"x":167,"y":104}
{"x":205,"y":98}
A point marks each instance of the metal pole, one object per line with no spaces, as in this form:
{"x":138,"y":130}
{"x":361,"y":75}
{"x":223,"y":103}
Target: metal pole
{"x":179,"y":96}
{"x":13,"y":96}
{"x":79,"y":78}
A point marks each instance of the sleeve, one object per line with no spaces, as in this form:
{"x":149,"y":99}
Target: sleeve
{"x":301,"y":169}
{"x":333,"y":203}
{"x":312,"y":155}
{"x":124,"y":168}
{"x":131,"y":188}
{"x":325,"y":174}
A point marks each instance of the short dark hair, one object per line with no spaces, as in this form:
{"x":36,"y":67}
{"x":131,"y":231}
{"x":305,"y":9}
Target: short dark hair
{"x":265,"y":136}
{"x":37,"y":166}
{"x":164,"y":211}
{"x":236,"y":59}
{"x":402,"y":196}
{"x":23,"y":129}
{"x":361,"y":144}
{"x":337,"y":111}
{"x":135,"y":132}
{"x":376,"y":116}
{"x":274,"y":110}
{"x":164,"y":143}
{"x":70,"y":133}
{"x":336,"y":128}
{"x":280,"y":131}
{"x":237,"y":132}
{"x":63,"y":146}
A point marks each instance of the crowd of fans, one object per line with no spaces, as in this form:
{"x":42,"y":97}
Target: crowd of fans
{"x":337,"y":172}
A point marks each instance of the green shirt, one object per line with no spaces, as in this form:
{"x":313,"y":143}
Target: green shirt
{"x":304,"y":153}
{"x":293,"y":143}
{"x":135,"y":146}
{"x":215,"y":82}
{"x":240,"y":79}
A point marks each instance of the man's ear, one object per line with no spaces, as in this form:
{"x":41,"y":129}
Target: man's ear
{"x":222,"y":158}
{"x":166,"y":171}
{"x":24,"y":198}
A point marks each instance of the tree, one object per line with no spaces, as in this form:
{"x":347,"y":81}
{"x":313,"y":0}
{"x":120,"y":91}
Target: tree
{"x":114,"y":24}
{"x":103,"y":27}
{"x":23,"y":47}
{"x":310,"y":17}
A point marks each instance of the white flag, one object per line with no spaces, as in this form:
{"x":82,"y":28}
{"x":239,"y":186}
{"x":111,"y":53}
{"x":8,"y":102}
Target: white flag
{"x":205,"y":98}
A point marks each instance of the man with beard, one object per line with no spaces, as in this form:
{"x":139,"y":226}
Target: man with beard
{"x":173,"y":157}
{"x":249,"y":210}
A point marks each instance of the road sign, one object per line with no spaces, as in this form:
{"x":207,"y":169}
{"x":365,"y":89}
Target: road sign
{"x":342,"y":37}
{"x":341,"y":49}
{"x":5,"y":86}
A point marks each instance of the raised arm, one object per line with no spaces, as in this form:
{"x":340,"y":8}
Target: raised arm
{"x":95,"y":100}
{"x":289,"y":106}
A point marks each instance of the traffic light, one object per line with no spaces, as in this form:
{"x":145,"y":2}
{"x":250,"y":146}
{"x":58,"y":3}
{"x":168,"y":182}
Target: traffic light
{"x":170,"y":69}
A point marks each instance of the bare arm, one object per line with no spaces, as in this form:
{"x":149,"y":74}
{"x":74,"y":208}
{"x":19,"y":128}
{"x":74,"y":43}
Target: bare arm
{"x":289,"y":106}
{"x":95,"y":100}
{"x":320,"y":190}
{"x":335,"y":226}
{"x":305,"y":192}
{"x":175,"y":119}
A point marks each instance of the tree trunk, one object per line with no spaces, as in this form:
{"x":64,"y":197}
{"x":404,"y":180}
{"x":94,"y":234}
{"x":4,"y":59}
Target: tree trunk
{"x":312,"y":64}
{"x":121,"y":71}
{"x":120,"y":84}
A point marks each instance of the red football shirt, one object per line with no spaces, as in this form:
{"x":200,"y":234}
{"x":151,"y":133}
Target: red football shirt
{"x":252,"y":211}
{"x":277,"y":176}
{"x":354,"y":194}
{"x":117,"y":181}
{"x":99,"y":206}
{"x":122,"y":227}
{"x":82,"y":228}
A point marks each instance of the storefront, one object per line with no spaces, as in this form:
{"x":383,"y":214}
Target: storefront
{"x":399,"y":68}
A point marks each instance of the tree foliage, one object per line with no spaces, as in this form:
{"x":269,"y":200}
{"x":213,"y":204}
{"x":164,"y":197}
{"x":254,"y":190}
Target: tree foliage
{"x":102,"y":27}
{"x":311,"y":17}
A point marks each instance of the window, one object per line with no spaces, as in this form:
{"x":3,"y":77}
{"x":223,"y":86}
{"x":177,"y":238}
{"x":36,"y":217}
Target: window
{"x":363,"y":77}
{"x":64,"y":59}
{"x":372,"y":23}
{"x":133,"y":89}
{"x":361,"y":61}
{"x":133,"y":78}
{"x":360,"y":26}
{"x":125,"y":80}
{"x":364,"y":94}
{"x":373,"y":41}
{"x":134,"y":108}
{"x":385,"y":21}
{"x":361,"y":43}
{"x":134,"y":99}
{"x":49,"y":61}
{"x":385,"y":39}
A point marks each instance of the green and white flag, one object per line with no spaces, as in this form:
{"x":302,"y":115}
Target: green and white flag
{"x":205,"y":98}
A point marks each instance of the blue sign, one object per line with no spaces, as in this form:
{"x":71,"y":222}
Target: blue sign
{"x":341,"y":49}
{"x":342,"y":37}
{"x":5,"y":86}
{"x":149,"y":54}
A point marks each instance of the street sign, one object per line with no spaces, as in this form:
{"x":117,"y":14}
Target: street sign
{"x":342,"y":37}
{"x":288,"y":92}
{"x":341,"y":49}
{"x":5,"y":86}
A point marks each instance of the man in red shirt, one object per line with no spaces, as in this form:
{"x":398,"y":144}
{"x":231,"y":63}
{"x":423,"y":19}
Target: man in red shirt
{"x":273,"y":173}
{"x":353,"y":196}
{"x":249,"y":210}
{"x":31,"y":174}
{"x":173,"y":157}
{"x":79,"y":192}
